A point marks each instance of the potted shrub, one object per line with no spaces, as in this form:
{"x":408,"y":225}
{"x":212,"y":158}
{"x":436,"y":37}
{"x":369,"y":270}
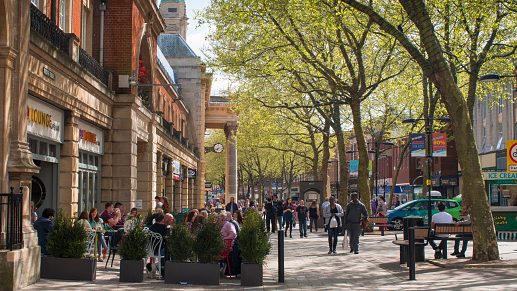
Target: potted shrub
{"x":180,"y":244}
{"x":183,"y":247}
{"x":66,"y":246}
{"x":133,"y":251}
{"x":254,"y":246}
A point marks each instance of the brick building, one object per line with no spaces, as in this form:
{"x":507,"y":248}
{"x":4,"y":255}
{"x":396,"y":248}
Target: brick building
{"x":92,"y":112}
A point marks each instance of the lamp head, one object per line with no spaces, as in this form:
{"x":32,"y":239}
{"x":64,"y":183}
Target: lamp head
{"x":490,"y":78}
{"x":409,"y":120}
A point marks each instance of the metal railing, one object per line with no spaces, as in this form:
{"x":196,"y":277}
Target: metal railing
{"x":11,"y":220}
{"x":41,"y":24}
{"x":92,"y":66}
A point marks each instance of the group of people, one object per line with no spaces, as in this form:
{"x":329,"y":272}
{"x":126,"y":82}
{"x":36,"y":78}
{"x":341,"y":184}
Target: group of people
{"x":287,"y":213}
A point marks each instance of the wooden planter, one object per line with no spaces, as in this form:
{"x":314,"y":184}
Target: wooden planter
{"x":251,"y":275}
{"x":131,"y":271}
{"x":191,"y":273}
{"x":68,"y":268}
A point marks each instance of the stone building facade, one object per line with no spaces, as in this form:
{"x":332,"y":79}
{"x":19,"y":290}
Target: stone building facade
{"x":91,"y":112}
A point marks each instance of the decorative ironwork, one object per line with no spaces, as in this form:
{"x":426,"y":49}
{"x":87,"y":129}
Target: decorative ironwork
{"x":41,"y":24}
{"x":11,"y":220}
{"x":92,"y":66}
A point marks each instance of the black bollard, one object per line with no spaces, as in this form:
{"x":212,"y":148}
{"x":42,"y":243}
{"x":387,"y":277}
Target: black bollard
{"x":280,"y":256}
{"x":411,"y":259}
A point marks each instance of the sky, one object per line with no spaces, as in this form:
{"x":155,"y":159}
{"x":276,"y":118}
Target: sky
{"x":196,"y":40}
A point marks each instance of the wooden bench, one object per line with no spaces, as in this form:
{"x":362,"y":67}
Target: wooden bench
{"x":381,"y":222}
{"x":454,"y":232}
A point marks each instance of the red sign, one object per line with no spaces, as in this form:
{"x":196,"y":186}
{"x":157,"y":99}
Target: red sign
{"x":439,"y":144}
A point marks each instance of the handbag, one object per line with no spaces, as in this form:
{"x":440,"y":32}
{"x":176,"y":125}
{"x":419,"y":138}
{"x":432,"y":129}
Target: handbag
{"x":333,"y":222}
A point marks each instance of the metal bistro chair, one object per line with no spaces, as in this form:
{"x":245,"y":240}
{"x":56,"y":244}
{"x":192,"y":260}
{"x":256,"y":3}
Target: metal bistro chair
{"x":113,"y":239}
{"x":90,"y":243}
{"x":154,"y":252}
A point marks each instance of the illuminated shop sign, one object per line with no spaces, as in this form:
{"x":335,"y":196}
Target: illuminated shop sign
{"x":90,"y":138}
{"x":44,"y":120}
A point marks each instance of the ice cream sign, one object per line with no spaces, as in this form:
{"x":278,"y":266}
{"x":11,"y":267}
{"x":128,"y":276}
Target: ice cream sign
{"x":90,"y":138}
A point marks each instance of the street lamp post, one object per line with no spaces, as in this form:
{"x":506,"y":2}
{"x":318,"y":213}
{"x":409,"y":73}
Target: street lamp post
{"x":428,"y":156}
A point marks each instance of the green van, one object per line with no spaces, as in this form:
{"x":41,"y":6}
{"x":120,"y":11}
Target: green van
{"x":418,"y":207}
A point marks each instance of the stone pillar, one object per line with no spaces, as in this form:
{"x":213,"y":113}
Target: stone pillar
{"x":68,"y":166}
{"x":185,"y":190}
{"x":123,"y":151}
{"x":231,"y":188}
{"x":159,"y":174}
{"x":146,"y":184}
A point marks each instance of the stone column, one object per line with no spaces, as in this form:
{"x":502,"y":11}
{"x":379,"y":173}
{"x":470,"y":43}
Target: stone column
{"x":146,"y":184}
{"x":159,"y":174}
{"x":185,"y":191}
{"x":121,"y":177}
{"x":230,"y":190}
{"x":68,"y":166}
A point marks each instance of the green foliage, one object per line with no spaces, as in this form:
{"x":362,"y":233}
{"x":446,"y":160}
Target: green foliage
{"x":67,"y":239}
{"x":180,"y":243}
{"x":253,"y":239}
{"x":149,"y":217}
{"x":133,"y":245}
{"x":208,"y":243}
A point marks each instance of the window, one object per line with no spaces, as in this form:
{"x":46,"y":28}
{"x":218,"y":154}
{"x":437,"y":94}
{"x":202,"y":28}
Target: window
{"x":62,"y":15}
{"x":173,"y":10}
{"x":89,"y":181}
{"x":35,"y":3}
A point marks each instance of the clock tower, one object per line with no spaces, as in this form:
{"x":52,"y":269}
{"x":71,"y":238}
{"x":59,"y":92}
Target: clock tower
{"x":174,"y":12}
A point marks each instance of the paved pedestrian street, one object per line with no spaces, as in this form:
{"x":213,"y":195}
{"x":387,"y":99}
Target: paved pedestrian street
{"x":308,"y":267}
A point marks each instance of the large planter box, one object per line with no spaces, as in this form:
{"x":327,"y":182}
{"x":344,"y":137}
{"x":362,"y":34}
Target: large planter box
{"x":68,"y":269}
{"x":132,"y":271}
{"x":192,"y":273}
{"x":251,"y":275}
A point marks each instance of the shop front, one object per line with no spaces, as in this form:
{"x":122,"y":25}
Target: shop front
{"x":45,"y":136}
{"x":502,"y":194}
{"x":91,"y":149}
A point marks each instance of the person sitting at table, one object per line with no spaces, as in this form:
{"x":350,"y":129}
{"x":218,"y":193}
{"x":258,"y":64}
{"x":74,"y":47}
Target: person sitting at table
{"x":108,"y":211}
{"x":120,"y":207}
{"x":113,"y":222}
{"x":44,"y":225}
{"x":440,"y":217}
{"x":97,"y":224}
{"x":168,"y":220}
{"x":83,"y":220}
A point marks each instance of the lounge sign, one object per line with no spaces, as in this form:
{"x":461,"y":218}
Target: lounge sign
{"x":44,"y":120}
{"x":90,"y":138}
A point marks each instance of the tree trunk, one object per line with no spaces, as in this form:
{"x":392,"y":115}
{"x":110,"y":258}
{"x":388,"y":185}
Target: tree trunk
{"x":364,"y":189}
{"x":325,"y":162}
{"x":485,"y":241}
{"x":394,"y":180}
{"x":342,"y":162}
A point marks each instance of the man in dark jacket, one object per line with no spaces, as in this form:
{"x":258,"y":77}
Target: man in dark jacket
{"x":232,"y":206}
{"x":44,"y":225}
{"x":355,"y":213}
{"x":270,"y":208}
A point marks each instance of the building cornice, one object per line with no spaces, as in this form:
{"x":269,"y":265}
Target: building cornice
{"x":151,"y":15}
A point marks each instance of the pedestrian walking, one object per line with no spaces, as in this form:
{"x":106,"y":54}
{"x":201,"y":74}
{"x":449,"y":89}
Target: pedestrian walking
{"x":355,"y":214}
{"x":289,"y":209}
{"x":334,"y":215}
{"x":324,"y":205}
{"x":301,"y":212}
{"x":270,"y":208}
{"x":313,"y":215}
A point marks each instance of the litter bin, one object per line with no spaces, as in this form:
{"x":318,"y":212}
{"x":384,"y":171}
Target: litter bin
{"x":410,"y":221}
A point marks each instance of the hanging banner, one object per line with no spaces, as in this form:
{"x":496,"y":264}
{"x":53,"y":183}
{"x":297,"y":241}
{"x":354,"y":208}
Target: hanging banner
{"x":439,"y":144}
{"x":417,"y":145}
{"x":354,"y":168}
{"x":176,"y":170}
{"x":511,"y":156}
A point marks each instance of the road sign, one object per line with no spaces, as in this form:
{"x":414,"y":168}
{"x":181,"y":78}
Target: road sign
{"x":511,"y":158}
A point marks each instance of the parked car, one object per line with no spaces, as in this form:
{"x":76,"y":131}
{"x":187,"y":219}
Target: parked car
{"x":418,"y":207}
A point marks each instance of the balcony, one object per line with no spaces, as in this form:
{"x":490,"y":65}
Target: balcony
{"x":176,"y":136}
{"x":92,"y":66}
{"x":43,"y":26}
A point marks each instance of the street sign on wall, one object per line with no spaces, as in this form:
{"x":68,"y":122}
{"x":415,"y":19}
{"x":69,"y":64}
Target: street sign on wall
{"x":511,"y":156}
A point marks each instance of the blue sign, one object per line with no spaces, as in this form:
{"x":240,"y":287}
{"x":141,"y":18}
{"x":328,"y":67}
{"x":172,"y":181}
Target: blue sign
{"x":354,"y":168}
{"x":417,"y":144}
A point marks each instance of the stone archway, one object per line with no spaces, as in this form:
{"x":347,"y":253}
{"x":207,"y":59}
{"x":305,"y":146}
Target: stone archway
{"x":145,"y":70}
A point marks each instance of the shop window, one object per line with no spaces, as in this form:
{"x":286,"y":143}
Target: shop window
{"x":43,"y":150}
{"x":52,"y":151}
{"x":89,"y":181}
{"x":33,"y":145}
